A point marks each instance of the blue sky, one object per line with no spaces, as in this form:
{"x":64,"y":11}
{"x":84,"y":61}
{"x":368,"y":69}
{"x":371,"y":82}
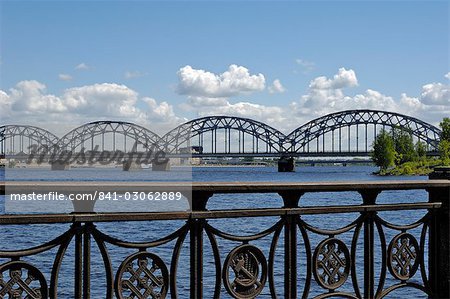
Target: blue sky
{"x":129,"y":56}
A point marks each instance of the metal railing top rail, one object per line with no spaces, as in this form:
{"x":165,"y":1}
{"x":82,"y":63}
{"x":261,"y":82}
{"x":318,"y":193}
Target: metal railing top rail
{"x":12,"y":219}
{"x":202,"y":191}
{"x":219,"y":187}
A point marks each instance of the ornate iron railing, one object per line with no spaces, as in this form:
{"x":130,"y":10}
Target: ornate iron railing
{"x":407,"y":261}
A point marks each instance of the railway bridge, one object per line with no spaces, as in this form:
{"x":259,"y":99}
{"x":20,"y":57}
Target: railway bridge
{"x":341,"y":134}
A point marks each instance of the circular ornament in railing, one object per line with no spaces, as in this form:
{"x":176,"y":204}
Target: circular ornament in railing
{"x":142,"y":275}
{"x":403,"y":259}
{"x":245,"y":272}
{"x":331,"y":263}
{"x":22,"y":280}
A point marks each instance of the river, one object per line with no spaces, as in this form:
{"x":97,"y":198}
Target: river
{"x":14,"y":237}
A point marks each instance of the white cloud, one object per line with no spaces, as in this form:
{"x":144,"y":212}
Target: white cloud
{"x":114,"y":101}
{"x":411,"y":104}
{"x":30,"y":97}
{"x":202,"y":101}
{"x":28,"y":102}
{"x":435,"y":94}
{"x":82,"y":66}
{"x":276,"y":87}
{"x":65,"y":77}
{"x":5,"y":103}
{"x":108,"y":99}
{"x":162,"y":112}
{"x":327,"y":96}
{"x":4,"y":98}
{"x":447,"y":75}
{"x":324,"y":96}
{"x":306,"y":65}
{"x":341,"y":80}
{"x":133,"y":74}
{"x":272,"y":115}
{"x":235,"y":81}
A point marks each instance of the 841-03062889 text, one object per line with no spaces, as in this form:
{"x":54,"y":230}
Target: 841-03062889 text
{"x":157,"y":196}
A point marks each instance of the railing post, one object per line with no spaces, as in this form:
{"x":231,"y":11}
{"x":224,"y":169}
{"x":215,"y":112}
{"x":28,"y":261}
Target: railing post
{"x":83,"y":260}
{"x":87,"y":260}
{"x":439,"y":243}
{"x":369,"y":198}
{"x":196,"y":257}
{"x":196,"y":226}
{"x":78,"y":260}
{"x":290,"y":200}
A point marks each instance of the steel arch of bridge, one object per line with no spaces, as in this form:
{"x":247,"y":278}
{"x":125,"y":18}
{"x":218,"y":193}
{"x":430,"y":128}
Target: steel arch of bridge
{"x":175,"y":138}
{"x":42,"y":137}
{"x":276,"y":141}
{"x":300,"y":137}
{"x":87,"y":132}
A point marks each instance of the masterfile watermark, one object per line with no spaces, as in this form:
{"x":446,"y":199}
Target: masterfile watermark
{"x":52,"y":196}
{"x":126,"y":183}
{"x":101,"y":196}
{"x":72,"y":199}
{"x":44,"y":153}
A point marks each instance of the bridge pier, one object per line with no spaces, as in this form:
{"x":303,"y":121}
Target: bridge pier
{"x":131,"y":165}
{"x":286,"y":164}
{"x":161,"y":165}
{"x":59,"y":165}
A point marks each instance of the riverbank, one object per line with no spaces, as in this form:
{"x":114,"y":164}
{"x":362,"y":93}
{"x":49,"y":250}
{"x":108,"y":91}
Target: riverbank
{"x":417,"y":168}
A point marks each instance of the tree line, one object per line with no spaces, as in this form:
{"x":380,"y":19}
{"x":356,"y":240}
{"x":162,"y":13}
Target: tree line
{"x":396,"y":147}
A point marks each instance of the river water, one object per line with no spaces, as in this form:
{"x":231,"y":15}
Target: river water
{"x":17,"y":237}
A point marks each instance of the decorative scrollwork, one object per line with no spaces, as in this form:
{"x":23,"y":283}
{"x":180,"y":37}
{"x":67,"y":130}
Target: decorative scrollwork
{"x":403,"y":258}
{"x":331,"y":264}
{"x":22,"y":280}
{"x":248,"y":273}
{"x":142,"y":275}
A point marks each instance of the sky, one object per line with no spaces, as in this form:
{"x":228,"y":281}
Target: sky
{"x":159,"y":64}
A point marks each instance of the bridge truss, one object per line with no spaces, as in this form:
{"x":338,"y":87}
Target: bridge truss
{"x":109,"y":135}
{"x":20,"y":138}
{"x":334,"y":124}
{"x":233,"y":130}
{"x":347,"y":132}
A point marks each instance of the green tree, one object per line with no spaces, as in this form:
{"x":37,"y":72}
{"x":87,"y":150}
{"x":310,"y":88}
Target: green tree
{"x":444,"y":145}
{"x":445,"y":126}
{"x":383,"y":150}
{"x":421,"y":150}
{"x":404,"y":146}
{"x":444,"y":151}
